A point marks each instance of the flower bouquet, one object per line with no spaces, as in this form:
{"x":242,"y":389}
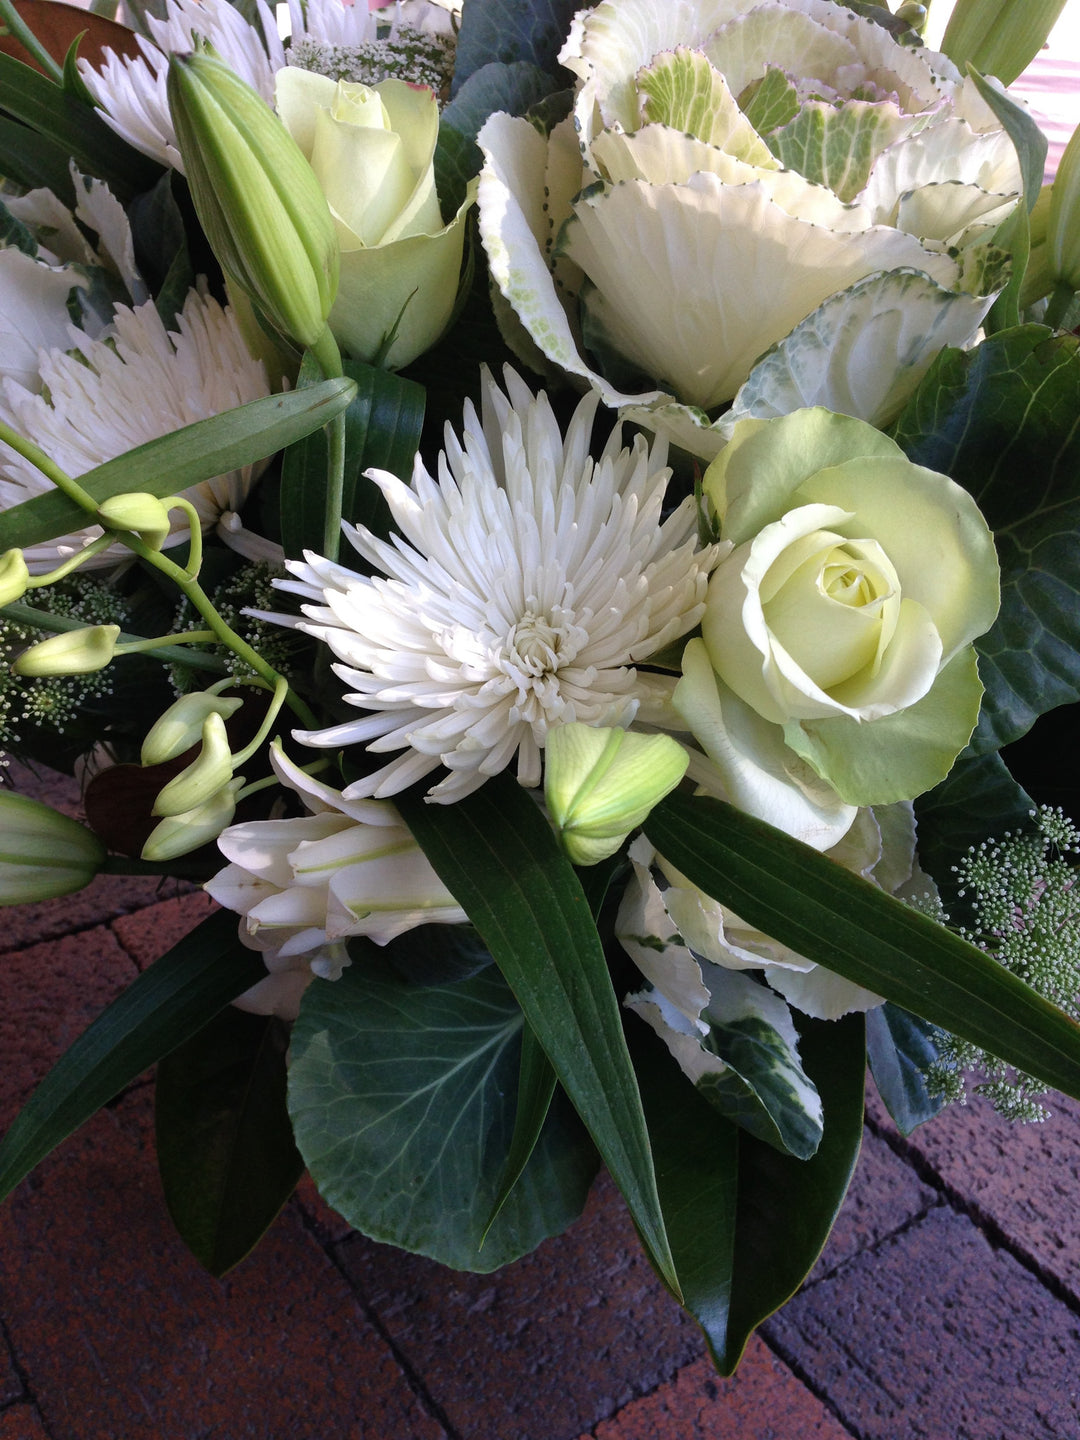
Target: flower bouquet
{"x":558,"y":519}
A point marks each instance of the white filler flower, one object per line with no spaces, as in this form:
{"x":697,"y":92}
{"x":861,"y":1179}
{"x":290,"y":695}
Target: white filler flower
{"x":102,"y":397}
{"x":529,"y":582}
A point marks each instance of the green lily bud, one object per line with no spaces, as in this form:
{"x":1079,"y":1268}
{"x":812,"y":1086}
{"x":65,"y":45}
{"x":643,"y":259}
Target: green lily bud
{"x":180,"y":834}
{"x":143,"y":514}
{"x":1063,"y":225}
{"x":43,"y":853}
{"x":600,"y":784}
{"x":181,"y":726}
{"x":75,"y":652}
{"x":211,"y":769}
{"x":999,"y":37}
{"x":256,"y":196}
{"x":14,"y":576}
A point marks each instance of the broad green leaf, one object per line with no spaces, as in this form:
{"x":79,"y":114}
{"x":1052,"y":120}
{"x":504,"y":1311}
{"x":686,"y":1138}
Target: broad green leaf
{"x":1001,"y":420}
{"x":169,"y":1002}
{"x":402,"y":1099}
{"x":900,"y":1048}
{"x":535,"y":1089}
{"x":225,"y":1147}
{"x":514,"y":87}
{"x":695,"y":1150}
{"x":822,"y":911}
{"x":497,"y":855}
{"x":436,"y":954}
{"x":838,"y":147}
{"x":64,"y":121}
{"x":786,"y":1207}
{"x":383,"y":422}
{"x":509,"y":30}
{"x":182,"y":458}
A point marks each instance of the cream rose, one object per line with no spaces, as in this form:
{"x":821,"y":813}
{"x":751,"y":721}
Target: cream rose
{"x":842,"y":619}
{"x":372,"y":150}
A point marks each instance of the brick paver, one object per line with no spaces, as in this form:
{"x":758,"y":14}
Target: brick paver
{"x":22,"y":1422}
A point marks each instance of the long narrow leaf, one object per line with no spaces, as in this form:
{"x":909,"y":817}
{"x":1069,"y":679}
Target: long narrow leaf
{"x":38,"y":102}
{"x":495,"y":853}
{"x":169,"y":1002}
{"x":826,"y":913}
{"x":182,"y":458}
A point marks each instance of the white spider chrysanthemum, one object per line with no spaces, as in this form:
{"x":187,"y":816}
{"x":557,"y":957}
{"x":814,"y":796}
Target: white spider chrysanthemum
{"x":131,"y":91}
{"x":102,"y":397}
{"x":530,"y":580}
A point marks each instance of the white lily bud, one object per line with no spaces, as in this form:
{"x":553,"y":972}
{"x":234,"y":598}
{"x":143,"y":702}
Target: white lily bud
{"x":75,"y":652}
{"x":144,"y":514}
{"x":207,"y":774}
{"x":43,"y":853}
{"x":600,"y":784}
{"x":14,"y":576}
{"x":180,"y":834}
{"x":181,"y":725}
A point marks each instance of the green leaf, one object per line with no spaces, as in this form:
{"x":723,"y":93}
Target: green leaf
{"x":1001,"y":37}
{"x":1020,"y":126}
{"x":695,"y":1150}
{"x":509,"y":30}
{"x":1014,"y":236}
{"x":225,"y":1147}
{"x":402,"y":1099}
{"x":822,"y":911}
{"x":33,"y":162}
{"x":497,"y":855}
{"x":163,"y":1007}
{"x":535,"y":1089}
{"x":1001,"y":420}
{"x":900,"y":1048}
{"x":837,"y":147}
{"x":182,"y":458}
{"x":382,"y":430}
{"x":514,"y":88}
{"x":63,"y":120}
{"x":786,"y":1207}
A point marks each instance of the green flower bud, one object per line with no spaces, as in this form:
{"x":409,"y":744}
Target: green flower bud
{"x":75,"y":652}
{"x":14,"y":576}
{"x":180,"y":834}
{"x":210,"y":770}
{"x":43,"y":853}
{"x":999,"y":38}
{"x":1063,"y":226}
{"x":600,"y":784}
{"x":141,"y":513}
{"x":181,"y":726}
{"x":256,"y":196}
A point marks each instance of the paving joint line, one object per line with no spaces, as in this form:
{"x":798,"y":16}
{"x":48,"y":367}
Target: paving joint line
{"x":28,"y":1396}
{"x":412,"y":1376}
{"x":967,"y":1206}
{"x":807,"y":1380}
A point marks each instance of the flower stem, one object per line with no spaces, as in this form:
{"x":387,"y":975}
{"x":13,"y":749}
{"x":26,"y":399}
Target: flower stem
{"x":170,"y":654}
{"x":48,"y":467}
{"x":326,"y":352}
{"x":20,"y":31}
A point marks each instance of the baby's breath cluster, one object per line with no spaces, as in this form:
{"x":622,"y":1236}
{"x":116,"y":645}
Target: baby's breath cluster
{"x":410,"y":55}
{"x":1026,"y":906}
{"x":249,"y":588}
{"x":55,"y":700}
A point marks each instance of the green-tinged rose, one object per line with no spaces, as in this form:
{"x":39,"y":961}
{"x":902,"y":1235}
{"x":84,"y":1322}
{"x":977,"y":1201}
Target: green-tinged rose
{"x":843,"y":618}
{"x":43,"y":853}
{"x":372,"y":149}
{"x":256,"y":197}
{"x":738,"y":176}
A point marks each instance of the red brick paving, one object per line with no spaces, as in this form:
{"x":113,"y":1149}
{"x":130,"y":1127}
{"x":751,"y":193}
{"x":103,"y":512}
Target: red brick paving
{"x":22,"y":1422}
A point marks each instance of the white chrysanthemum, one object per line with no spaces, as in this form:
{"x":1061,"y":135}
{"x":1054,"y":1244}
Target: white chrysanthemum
{"x":530,"y":580}
{"x":131,"y":91}
{"x":100,"y":398}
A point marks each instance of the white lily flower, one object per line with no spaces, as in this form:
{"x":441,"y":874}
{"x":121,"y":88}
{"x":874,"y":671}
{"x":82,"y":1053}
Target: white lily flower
{"x":93,"y":399}
{"x":731,"y":168}
{"x":304,"y":885}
